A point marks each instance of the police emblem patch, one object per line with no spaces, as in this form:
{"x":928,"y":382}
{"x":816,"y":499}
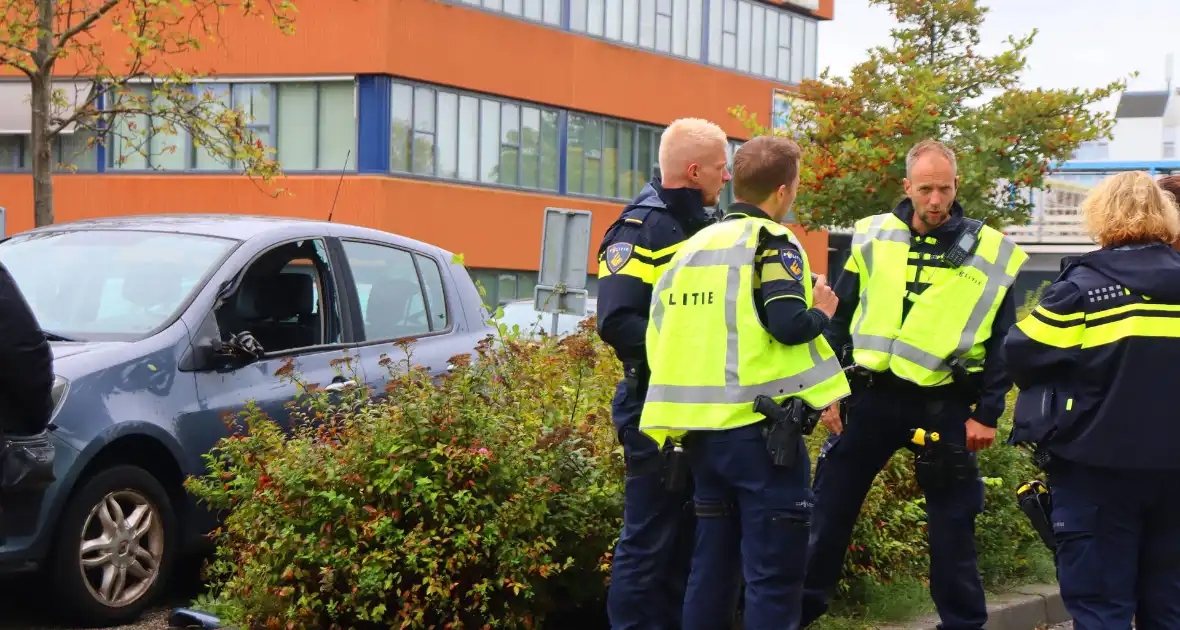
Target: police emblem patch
{"x":793,"y":262}
{"x":617,"y":255}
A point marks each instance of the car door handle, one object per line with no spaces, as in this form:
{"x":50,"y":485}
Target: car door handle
{"x":335,"y":387}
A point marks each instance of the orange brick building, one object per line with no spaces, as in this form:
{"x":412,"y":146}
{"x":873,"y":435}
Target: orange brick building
{"x":454,"y":121}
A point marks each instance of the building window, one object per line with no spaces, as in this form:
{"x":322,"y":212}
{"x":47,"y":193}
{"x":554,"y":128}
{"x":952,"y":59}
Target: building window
{"x":544,"y":11}
{"x":502,"y":285}
{"x":311,"y":125}
{"x":744,"y":35}
{"x":71,"y":152}
{"x":325,"y":109}
{"x":758,"y":39}
{"x":453,"y":135}
{"x":673,"y":27}
{"x":609,"y":158}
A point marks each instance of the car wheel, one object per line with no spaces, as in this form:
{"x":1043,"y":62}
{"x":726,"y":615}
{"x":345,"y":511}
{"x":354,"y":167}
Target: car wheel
{"x":115,"y":546}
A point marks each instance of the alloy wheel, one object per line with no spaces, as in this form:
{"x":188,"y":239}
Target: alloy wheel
{"x":121,"y":548}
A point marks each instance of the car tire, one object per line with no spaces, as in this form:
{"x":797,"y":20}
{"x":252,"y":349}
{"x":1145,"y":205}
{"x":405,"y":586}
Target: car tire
{"x":102,"y":570}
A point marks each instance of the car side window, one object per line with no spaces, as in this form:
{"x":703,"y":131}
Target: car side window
{"x":432,"y":279}
{"x":392,"y":301}
{"x":280,"y":299}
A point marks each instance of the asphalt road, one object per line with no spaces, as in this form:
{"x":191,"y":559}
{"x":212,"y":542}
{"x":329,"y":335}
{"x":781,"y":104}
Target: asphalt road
{"x":19,"y":609}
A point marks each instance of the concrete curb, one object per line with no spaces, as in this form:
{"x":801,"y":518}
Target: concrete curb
{"x":1025,"y":608}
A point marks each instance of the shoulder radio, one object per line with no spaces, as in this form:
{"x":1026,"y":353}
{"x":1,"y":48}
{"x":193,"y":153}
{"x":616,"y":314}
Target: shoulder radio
{"x":964,"y":244}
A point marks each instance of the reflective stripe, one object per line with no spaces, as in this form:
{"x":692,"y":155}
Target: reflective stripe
{"x":1051,"y":333}
{"x":1145,"y":325}
{"x":899,"y":348}
{"x":997,"y":278}
{"x":733,"y":392}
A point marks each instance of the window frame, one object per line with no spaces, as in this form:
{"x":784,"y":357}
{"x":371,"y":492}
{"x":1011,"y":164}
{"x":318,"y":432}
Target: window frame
{"x":617,"y":124}
{"x":359,"y":334}
{"x":332,"y":317}
{"x":426,"y":292}
{"x":190,"y":151}
{"x":480,"y":100}
{"x":23,"y":150}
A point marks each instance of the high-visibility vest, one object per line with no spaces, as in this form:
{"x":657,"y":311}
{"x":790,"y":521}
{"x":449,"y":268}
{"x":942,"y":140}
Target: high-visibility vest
{"x":951,"y":319}
{"x":710,"y":354}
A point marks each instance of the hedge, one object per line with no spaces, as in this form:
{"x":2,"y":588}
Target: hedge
{"x":489,"y":497}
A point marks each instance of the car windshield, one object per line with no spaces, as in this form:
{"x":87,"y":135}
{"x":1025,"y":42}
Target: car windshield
{"x":531,"y":321}
{"x":108,"y":285}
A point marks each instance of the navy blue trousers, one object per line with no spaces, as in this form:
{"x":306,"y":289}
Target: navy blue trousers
{"x":1118,"y":545}
{"x":651,"y":561}
{"x":752,"y":521}
{"x":879,"y":422}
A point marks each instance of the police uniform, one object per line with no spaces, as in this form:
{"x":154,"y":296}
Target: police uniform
{"x":650,"y":565}
{"x":906,"y":312}
{"x":733,"y":293}
{"x":1099,"y":352}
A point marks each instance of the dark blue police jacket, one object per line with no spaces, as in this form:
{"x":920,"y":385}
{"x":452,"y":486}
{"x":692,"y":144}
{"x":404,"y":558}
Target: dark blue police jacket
{"x":653,"y":222}
{"x":1098,"y":360}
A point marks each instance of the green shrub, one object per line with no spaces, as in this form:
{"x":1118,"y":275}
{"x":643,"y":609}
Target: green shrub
{"x":492,"y":496}
{"x":489,"y":497}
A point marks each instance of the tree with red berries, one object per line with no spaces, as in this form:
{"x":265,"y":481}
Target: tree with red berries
{"x":932,"y":83}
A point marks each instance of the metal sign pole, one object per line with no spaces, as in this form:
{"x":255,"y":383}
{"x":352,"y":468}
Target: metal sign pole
{"x":561,"y":278}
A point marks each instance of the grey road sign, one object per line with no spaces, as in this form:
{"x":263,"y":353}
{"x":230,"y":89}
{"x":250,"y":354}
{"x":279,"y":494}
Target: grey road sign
{"x":565,"y":247}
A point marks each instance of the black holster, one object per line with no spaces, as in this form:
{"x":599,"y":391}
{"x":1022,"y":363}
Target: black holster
{"x":939,"y":465}
{"x":965,"y":383}
{"x":635,"y":375}
{"x":786,"y":425}
{"x":676,"y":468}
{"x":1037,"y":504}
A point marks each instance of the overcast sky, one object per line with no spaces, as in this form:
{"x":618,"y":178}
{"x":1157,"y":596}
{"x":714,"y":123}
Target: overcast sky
{"x":1080,"y":43}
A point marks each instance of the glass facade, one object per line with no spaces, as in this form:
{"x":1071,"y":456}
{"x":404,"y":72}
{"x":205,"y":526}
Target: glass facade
{"x":449,"y":134}
{"x":741,"y":35}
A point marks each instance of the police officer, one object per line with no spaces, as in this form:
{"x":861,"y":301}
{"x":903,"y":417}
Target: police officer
{"x":650,"y":565}
{"x":26,"y":385}
{"x":736,"y":317}
{"x":1100,"y":349}
{"x":1171,"y":185}
{"x":924,"y":307}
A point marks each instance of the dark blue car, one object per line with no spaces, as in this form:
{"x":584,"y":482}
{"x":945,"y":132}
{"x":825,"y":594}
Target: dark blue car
{"x":156,"y":323}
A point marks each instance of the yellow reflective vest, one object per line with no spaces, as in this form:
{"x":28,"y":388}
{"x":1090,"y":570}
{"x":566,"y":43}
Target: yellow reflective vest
{"x":710,"y":354}
{"x":951,"y":319}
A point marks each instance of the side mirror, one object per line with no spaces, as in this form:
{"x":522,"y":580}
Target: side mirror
{"x":241,"y":349}
{"x":211,"y":353}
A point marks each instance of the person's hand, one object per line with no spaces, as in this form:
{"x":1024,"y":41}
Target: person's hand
{"x":979,"y":436}
{"x":824,"y":297}
{"x":831,"y":419}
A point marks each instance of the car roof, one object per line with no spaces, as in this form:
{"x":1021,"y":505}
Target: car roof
{"x":240,"y":227}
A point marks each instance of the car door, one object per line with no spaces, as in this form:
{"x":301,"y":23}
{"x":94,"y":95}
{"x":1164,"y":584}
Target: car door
{"x":287,"y":299}
{"x":400,"y":294}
